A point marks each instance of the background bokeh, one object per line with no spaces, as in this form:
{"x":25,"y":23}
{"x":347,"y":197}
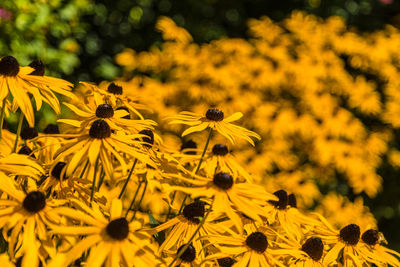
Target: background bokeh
{"x":79,"y":39}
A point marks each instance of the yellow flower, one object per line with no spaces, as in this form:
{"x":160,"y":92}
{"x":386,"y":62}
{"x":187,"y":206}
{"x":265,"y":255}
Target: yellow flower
{"x":285,"y":213}
{"x":111,"y":240}
{"x":244,"y":197}
{"x":99,"y":143}
{"x":25,"y":218}
{"x":117,"y":118}
{"x":250,"y":249}
{"x":373,"y":252}
{"x":221,"y":159}
{"x":182,"y":227}
{"x":214,"y":119}
{"x":113,"y":94}
{"x":24,"y":81}
{"x":346,"y":245}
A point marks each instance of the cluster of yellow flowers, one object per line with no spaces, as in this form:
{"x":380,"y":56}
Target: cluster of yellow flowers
{"x":318,"y":93}
{"x":112,"y":187}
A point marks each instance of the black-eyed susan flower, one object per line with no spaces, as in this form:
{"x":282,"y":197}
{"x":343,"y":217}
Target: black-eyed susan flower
{"x":116,"y":118}
{"x":25,"y":218}
{"x":248,"y":249}
{"x":214,"y":119}
{"x":285,"y":213}
{"x":222,"y":160}
{"x":374,"y":252}
{"x":345,"y":244}
{"x":112,"y":240}
{"x":229,"y":197}
{"x":184,"y":226}
{"x":113,"y":94}
{"x":188,"y":258}
{"x":307,"y":252}
{"x":98,"y":142}
{"x":24,"y":81}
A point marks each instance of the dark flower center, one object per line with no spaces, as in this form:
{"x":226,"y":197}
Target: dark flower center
{"x":25,"y":150}
{"x":148,"y":140}
{"x":9,"y":66}
{"x":193,"y":211}
{"x":118,"y":229}
{"x":226,"y":262}
{"x":114,"y":89}
{"x":257,"y":241}
{"x":283,"y":200}
{"x":292,"y":201}
{"x":28,"y":133}
{"x":100,"y":129}
{"x":220,"y":150}
{"x":51,"y":129}
{"x":314,"y":248}
{"x":223,"y":180}
{"x":370,"y":237}
{"x":56,"y":171}
{"x":350,"y":234}
{"x":190,"y":144}
{"x":189,"y":254}
{"x":214,"y":115}
{"x":34,"y":202}
{"x":127,"y":110}
{"x":104,"y":111}
{"x":38,"y":66}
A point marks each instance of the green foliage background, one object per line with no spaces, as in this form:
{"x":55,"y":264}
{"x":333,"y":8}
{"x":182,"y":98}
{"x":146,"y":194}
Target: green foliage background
{"x":78,"y":39}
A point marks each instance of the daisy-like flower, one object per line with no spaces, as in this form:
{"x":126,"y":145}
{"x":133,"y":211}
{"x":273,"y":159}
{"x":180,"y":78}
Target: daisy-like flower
{"x":244,"y":197}
{"x":25,"y":217}
{"x":345,"y":244}
{"x":222,"y":160}
{"x":182,"y":227}
{"x":100,"y":143}
{"x":307,"y":253}
{"x":284,"y":211}
{"x":214,"y":119}
{"x":118,"y":119}
{"x":248,"y":249}
{"x":112,"y":241}
{"x":373,"y":251}
{"x":189,"y":258}
{"x":113,"y":94}
{"x":24,"y":81}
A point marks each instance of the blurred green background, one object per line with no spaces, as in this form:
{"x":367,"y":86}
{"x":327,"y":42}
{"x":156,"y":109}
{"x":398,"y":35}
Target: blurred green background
{"x":78,"y":39}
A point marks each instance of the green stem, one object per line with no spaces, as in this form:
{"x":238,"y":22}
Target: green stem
{"x":94,"y":180}
{"x":84,"y":169}
{"x":140,"y":201}
{"x":170,"y":206}
{"x":199,"y":165}
{"x":127,"y":180}
{"x":3,"y":112}
{"x":102,"y":175}
{"x":20,"y":120}
{"x":193,"y":235}
{"x":134,"y":199}
{"x":204,"y":151}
